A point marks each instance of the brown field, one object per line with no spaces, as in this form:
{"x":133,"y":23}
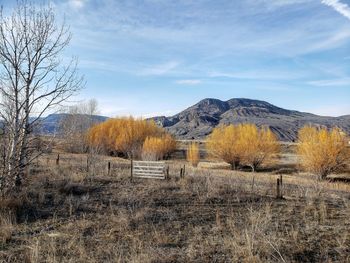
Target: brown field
{"x":69,"y":214}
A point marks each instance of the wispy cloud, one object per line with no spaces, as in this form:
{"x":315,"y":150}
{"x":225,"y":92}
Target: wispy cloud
{"x":266,"y":74}
{"x":210,"y":44}
{"x":338,"y":6}
{"x":330,"y":82}
{"x":188,"y":81}
{"x":272,"y":5}
{"x":334,"y":110}
{"x":160,"y":113}
{"x":77,"y":3}
{"x":160,"y":69}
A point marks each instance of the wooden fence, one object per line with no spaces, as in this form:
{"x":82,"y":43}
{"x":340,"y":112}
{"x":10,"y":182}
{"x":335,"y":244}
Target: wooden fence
{"x":146,"y":169}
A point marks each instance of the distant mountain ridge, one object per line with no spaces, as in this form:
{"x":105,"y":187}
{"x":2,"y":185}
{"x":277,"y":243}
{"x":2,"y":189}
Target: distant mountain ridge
{"x":51,"y":123}
{"x":197,"y":121}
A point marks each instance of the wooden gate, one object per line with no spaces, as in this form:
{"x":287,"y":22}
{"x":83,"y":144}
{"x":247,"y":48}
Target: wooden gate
{"x":146,"y":169}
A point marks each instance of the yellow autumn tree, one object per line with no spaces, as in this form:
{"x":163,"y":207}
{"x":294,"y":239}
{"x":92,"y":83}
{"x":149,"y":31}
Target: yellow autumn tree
{"x":243,"y":144}
{"x":169,"y":145}
{"x":322,"y":151}
{"x":192,"y":154}
{"x":256,"y":145}
{"x":157,"y":148}
{"x":123,"y":135}
{"x":222,"y":144}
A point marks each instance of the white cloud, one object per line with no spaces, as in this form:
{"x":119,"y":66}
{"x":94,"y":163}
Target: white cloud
{"x":258,"y":75}
{"x":274,"y":4}
{"x":330,"y":110}
{"x":338,"y":38}
{"x":188,"y":81}
{"x":77,"y":3}
{"x":159,"y":113}
{"x":160,"y":69}
{"x":124,"y":23}
{"x":338,"y":6}
{"x":330,"y":82}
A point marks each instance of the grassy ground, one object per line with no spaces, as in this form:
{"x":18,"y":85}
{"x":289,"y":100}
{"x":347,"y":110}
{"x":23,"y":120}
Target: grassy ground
{"x":69,"y":214}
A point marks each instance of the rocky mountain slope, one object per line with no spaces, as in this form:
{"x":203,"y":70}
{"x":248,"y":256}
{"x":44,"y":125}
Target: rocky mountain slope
{"x":198,"y":120}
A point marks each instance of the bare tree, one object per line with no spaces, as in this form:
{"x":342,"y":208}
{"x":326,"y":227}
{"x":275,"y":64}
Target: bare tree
{"x":33,"y":80}
{"x":75,"y":125}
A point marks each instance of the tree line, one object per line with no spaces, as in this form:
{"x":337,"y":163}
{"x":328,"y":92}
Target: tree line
{"x":320,"y":151}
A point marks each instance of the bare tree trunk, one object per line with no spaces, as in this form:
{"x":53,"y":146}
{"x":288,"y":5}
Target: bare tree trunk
{"x":32,"y":79}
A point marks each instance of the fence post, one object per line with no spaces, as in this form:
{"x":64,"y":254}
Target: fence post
{"x":87,"y":163}
{"x":279,"y":194}
{"x":167,"y":173}
{"x":281,"y":186}
{"x":131,"y":164}
{"x":58,"y":159}
{"x":281,"y":179}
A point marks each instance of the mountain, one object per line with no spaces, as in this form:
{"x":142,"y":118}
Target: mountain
{"x":51,"y":123}
{"x":197,"y":121}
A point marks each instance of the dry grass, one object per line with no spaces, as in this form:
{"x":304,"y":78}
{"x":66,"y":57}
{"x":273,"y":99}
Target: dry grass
{"x":6,"y":228}
{"x":68,"y":214}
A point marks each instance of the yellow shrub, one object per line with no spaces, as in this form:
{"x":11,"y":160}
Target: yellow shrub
{"x":256,"y":145}
{"x":157,"y":148}
{"x":243,"y":143}
{"x":192,"y":154}
{"x":321,"y":151}
{"x":123,"y":135}
{"x":222,"y":143}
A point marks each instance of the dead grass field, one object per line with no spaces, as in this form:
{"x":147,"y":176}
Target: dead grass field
{"x":69,"y":214}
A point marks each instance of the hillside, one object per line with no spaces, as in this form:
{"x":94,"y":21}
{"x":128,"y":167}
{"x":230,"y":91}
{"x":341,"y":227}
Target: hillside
{"x":198,"y":120}
{"x":51,"y":123}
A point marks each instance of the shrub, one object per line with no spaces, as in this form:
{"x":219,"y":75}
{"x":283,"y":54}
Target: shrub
{"x":157,"y":148}
{"x":222,"y":143}
{"x":244,"y":143}
{"x":256,"y":145}
{"x":322,"y":151}
{"x":192,"y":154}
{"x":124,"y":136}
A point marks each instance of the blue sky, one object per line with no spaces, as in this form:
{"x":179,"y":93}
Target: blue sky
{"x":157,"y":57}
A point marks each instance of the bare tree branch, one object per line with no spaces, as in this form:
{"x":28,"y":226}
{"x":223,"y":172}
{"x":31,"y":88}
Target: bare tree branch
{"x":33,"y":80}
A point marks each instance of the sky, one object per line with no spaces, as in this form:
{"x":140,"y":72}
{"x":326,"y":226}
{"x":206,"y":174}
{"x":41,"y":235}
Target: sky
{"x":158,"y":57}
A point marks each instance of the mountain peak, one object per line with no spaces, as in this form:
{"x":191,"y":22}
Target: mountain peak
{"x":198,"y":120}
{"x":247,"y":102}
{"x":210,"y":106}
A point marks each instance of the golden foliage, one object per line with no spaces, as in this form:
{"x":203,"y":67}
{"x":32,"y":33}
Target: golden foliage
{"x":157,"y":148}
{"x":322,"y":151}
{"x":192,"y":154}
{"x":123,"y":135}
{"x":222,"y":143}
{"x":256,"y":145}
{"x":243,"y":143}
